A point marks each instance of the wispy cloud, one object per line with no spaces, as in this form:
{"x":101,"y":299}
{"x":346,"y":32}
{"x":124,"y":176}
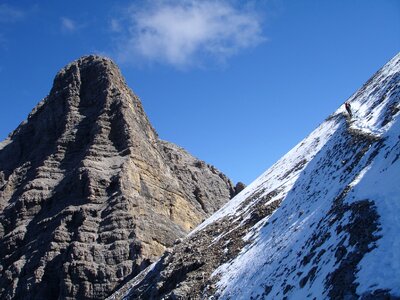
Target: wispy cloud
{"x":185,"y":33}
{"x":10,"y":14}
{"x":68,"y":25}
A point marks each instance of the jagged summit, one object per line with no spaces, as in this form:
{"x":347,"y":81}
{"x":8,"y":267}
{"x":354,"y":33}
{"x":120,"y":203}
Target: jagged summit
{"x":101,"y":65}
{"x":88,"y":193}
{"x":97,"y":73}
{"x":82,"y":91}
{"x":321,"y":223}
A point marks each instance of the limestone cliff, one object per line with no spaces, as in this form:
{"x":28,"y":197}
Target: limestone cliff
{"x":89,"y":195}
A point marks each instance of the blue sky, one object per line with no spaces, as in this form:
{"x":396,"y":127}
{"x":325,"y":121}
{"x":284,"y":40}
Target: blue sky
{"x":236,"y":83}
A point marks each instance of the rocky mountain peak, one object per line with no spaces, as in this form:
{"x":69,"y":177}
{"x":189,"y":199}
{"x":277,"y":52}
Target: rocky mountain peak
{"x":95,"y":76}
{"x":89,"y":195}
{"x":100,"y":72}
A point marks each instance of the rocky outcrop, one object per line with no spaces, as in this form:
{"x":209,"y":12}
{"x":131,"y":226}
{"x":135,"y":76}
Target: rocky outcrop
{"x":89,"y":195}
{"x":240,"y":186}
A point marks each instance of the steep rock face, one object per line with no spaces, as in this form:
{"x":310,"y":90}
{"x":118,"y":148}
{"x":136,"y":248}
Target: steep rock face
{"x":88,"y":193}
{"x":321,"y":223}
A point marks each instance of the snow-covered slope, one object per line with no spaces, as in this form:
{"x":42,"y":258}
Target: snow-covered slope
{"x":323,"y":222}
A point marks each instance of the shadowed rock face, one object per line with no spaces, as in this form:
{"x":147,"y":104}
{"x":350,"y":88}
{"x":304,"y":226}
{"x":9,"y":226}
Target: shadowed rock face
{"x":89,"y":195}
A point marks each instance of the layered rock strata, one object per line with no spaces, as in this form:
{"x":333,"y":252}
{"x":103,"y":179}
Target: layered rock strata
{"x":89,"y":195}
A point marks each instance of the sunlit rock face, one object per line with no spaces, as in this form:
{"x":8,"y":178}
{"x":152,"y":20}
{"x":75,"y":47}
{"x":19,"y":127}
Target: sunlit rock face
{"x":89,"y":195}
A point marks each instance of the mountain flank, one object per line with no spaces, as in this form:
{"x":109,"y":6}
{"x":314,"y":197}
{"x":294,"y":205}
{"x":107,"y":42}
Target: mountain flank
{"x":321,"y":223}
{"x":89,"y":195}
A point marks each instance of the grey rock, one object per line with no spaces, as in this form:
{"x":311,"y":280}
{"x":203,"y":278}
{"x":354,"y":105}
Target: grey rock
{"x":240,"y":186}
{"x":89,"y":195}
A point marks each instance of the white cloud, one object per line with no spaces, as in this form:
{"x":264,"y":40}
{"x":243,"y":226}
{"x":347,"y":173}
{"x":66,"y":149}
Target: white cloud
{"x":184,"y":33}
{"x":10,"y":14}
{"x":68,"y":24}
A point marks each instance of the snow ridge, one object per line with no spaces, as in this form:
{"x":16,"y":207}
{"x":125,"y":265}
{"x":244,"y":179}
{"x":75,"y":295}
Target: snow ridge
{"x":322,"y":222}
{"x":357,"y":159}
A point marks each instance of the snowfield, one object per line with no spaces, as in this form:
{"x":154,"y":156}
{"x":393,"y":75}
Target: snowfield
{"x":272,"y":261}
{"x":332,"y":230}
